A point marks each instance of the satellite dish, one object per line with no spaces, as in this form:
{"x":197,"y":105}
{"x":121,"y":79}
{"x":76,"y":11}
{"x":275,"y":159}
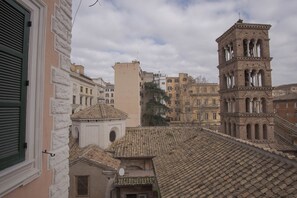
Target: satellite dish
{"x":121,"y":172}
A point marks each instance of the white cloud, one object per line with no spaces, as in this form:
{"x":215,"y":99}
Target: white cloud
{"x":176,"y":36}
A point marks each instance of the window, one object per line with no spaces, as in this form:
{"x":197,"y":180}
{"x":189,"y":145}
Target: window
{"x":206,"y":101}
{"x":25,"y":51}
{"x":91,"y":99}
{"x":206,"y":116}
{"x":111,"y":94}
{"x":111,"y":101}
{"x":91,"y":91}
{"x":86,"y":101}
{"x":81,"y":89}
{"x":13,"y":76}
{"x":106,"y":95}
{"x":82,"y":187}
{"x":213,"y":101}
{"x":214,"y":116}
{"x":107,"y":101}
{"x":112,"y":136}
{"x":80,"y":100}
{"x":86,"y":90}
{"x":73,"y":99}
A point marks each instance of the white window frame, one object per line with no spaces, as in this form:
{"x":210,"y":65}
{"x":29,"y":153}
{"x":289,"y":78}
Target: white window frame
{"x":30,"y":169}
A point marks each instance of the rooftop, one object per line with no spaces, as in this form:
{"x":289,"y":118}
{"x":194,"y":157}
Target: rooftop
{"x":99,"y":112}
{"x":192,"y":162}
{"x":92,"y":154}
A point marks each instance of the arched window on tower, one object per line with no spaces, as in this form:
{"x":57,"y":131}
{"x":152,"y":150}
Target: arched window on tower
{"x":248,"y":132}
{"x":234,"y":130}
{"x":265,"y":132}
{"x":257,"y":135}
{"x":261,"y":78}
{"x":259,"y":48}
{"x":247,"y":105}
{"x":229,"y":132}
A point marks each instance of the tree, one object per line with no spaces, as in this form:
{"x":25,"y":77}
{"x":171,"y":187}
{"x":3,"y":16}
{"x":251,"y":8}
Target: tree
{"x":201,"y":79}
{"x":155,"y":108}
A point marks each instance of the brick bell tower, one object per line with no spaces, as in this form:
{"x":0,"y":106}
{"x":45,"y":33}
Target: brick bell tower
{"x":245,"y":82}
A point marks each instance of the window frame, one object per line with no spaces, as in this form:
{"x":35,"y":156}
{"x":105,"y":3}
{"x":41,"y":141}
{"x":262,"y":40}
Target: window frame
{"x":88,"y":185}
{"x":31,"y":168}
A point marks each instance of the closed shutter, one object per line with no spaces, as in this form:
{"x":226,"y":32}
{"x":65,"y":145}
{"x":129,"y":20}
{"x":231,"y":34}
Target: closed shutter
{"x":14,"y":37}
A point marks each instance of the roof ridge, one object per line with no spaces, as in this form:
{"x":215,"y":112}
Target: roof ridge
{"x":291,"y":159}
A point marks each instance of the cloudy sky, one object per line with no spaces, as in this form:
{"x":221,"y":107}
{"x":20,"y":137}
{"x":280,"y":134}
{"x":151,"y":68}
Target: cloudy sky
{"x":177,"y":36}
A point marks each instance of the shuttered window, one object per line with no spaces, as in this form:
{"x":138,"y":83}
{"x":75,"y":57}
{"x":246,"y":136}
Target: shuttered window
{"x":14,"y":37}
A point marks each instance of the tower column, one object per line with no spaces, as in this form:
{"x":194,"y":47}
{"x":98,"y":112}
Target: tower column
{"x":248,"y":47}
{"x":250,"y":76}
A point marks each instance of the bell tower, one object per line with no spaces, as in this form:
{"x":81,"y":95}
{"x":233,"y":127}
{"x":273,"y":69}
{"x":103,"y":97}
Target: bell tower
{"x":245,"y":82}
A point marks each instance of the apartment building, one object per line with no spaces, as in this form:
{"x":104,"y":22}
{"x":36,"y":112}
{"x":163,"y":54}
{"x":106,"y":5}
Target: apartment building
{"x":100,"y":85}
{"x":199,"y":103}
{"x":174,"y":86}
{"x":84,"y":89}
{"x":127,"y":90}
{"x":109,"y":94}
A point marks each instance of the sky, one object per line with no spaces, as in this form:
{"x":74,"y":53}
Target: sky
{"x":177,"y":36}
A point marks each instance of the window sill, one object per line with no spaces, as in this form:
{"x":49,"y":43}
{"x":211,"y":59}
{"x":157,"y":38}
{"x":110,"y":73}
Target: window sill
{"x":16,"y":176}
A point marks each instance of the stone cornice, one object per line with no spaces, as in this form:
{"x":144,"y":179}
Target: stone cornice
{"x":243,"y":26}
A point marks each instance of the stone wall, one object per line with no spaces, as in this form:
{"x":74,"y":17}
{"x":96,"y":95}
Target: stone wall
{"x":60,"y":103}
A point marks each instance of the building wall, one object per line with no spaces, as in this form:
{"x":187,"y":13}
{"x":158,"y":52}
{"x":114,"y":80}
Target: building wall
{"x":97,"y":181}
{"x":173,"y":91}
{"x":286,"y":109}
{"x":100,"y":85}
{"x":127,"y":91}
{"x":200,"y":104}
{"x":109,"y":94}
{"x":53,"y":179}
{"x":97,"y":132}
{"x":83,"y":89}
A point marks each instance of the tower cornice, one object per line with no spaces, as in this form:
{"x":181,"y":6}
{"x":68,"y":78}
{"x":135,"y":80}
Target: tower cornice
{"x":239,"y":25}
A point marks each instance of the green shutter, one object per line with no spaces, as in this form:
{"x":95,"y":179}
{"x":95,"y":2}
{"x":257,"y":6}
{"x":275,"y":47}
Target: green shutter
{"x":14,"y":37}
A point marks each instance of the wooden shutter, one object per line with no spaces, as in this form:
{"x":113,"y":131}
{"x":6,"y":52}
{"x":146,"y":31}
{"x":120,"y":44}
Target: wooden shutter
{"x":14,"y":37}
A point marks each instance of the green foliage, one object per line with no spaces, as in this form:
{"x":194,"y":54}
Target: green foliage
{"x":156,"y":109}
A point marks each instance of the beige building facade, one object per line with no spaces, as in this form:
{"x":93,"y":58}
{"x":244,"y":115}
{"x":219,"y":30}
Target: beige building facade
{"x":127,"y":91}
{"x":36,"y":51}
{"x":245,"y":82}
{"x":192,"y":102}
{"x":200,"y":104}
{"x":84,"y":89}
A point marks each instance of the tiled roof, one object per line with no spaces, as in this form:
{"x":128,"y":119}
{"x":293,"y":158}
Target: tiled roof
{"x":291,"y":96}
{"x":92,"y":154}
{"x":134,"y":181}
{"x":215,"y":165}
{"x":151,"y":141}
{"x":99,"y":112}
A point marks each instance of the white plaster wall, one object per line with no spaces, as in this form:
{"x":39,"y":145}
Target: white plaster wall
{"x":98,"y":132}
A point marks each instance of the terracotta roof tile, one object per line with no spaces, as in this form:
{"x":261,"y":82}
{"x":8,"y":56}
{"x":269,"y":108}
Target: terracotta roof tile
{"x":134,"y":181}
{"x":99,"y":112}
{"x":217,"y":165}
{"x":92,"y":154}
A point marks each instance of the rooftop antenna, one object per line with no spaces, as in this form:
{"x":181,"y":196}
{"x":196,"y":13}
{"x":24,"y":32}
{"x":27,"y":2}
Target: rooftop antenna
{"x":239,"y":19}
